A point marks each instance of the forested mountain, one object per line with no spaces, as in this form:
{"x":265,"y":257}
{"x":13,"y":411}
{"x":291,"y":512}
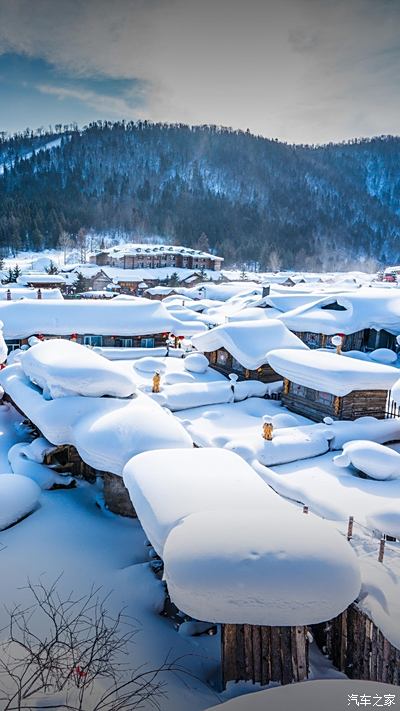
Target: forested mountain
{"x":258,"y":200}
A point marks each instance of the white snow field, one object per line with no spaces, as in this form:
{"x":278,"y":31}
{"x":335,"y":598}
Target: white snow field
{"x":18,"y":497}
{"x":322,"y":695}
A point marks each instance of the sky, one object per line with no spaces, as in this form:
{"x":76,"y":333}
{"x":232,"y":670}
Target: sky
{"x":302,"y":71}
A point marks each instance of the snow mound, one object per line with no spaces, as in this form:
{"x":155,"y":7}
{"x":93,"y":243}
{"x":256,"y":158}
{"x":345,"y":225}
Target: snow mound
{"x":174,"y":378}
{"x":150,"y":365}
{"x":165,"y":486}
{"x":387,"y":521}
{"x":383,"y":355}
{"x":260,"y":567}
{"x":373,"y":459}
{"x":18,"y":497}
{"x":326,"y":695}
{"x":196,"y":363}
{"x":249,"y":388}
{"x":185,"y":395}
{"x":42,"y":475}
{"x":287,"y":445}
{"x":64,"y":368}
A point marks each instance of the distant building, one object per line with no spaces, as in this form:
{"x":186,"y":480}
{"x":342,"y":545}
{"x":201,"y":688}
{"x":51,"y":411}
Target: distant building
{"x":144,"y":256}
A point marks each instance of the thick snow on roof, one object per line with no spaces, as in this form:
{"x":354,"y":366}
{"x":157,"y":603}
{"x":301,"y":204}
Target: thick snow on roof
{"x":26,"y":292}
{"x":268,"y":567}
{"x":66,"y":368}
{"x":99,"y":317}
{"x":107,"y":431}
{"x":367,"y":307}
{"x":321,"y":695}
{"x":37,"y":278}
{"x":134,"y":248}
{"x":165,"y":487}
{"x":332,"y":373}
{"x":249,"y":341}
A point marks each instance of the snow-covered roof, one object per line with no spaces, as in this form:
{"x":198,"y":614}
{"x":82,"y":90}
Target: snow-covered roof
{"x":37,"y":278}
{"x":98,"y":317}
{"x":332,"y":373}
{"x":136,"y":249}
{"x":106,"y":431}
{"x":249,"y":341}
{"x":66,"y":368}
{"x":367,"y":307}
{"x":26,"y":292}
{"x":271,"y":567}
{"x":206,"y":478}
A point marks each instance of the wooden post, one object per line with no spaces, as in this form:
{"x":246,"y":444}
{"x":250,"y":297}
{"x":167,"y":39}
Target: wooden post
{"x":350,"y":528}
{"x":381,"y":550}
{"x":156,"y":383}
{"x":286,"y":386}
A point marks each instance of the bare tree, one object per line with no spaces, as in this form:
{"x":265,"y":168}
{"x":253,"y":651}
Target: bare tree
{"x":65,"y":243}
{"x":66,"y":652}
{"x":82,"y":241}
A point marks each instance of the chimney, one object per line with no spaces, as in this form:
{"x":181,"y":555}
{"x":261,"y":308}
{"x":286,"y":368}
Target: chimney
{"x":8,"y":294}
{"x":39,"y":293}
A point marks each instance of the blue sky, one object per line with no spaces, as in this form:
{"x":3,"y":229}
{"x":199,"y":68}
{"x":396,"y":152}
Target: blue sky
{"x":35,"y":93}
{"x":297,"y":70}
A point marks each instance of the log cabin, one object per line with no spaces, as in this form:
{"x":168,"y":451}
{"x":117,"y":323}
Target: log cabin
{"x":242,"y":347}
{"x":367,"y":318}
{"x":318,"y":384}
{"x":121,"y":323}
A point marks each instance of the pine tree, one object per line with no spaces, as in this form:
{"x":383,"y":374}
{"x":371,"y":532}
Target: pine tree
{"x":52,"y":268}
{"x":79,"y":283}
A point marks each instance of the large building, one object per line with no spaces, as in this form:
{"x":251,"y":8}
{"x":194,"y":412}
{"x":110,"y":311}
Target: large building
{"x":145,"y":256}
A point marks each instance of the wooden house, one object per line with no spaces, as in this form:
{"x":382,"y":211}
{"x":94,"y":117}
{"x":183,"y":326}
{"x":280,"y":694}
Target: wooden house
{"x":116,"y":322}
{"x":366,"y":318}
{"x":242,"y":347}
{"x":318,"y":384}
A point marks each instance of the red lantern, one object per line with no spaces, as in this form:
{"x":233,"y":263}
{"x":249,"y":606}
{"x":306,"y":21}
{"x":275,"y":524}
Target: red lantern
{"x":74,"y":337}
{"x":172,"y":335}
{"x":181,"y":338}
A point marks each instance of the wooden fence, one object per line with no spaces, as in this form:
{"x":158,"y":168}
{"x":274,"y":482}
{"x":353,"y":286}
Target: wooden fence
{"x":263,"y":654}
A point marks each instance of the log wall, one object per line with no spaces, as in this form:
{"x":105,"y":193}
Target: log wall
{"x":263,"y":654}
{"x":265,"y":373}
{"x":317,"y":405}
{"x":358,"y":648}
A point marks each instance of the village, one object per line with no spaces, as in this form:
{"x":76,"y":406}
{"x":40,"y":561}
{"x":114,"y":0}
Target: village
{"x":222,"y":458}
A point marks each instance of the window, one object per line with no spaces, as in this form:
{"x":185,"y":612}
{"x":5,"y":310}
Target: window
{"x":123,"y":342}
{"x":222,"y":357}
{"x":236,"y":366}
{"x":93,"y":340}
{"x":12,"y":345}
{"x":147,"y":342}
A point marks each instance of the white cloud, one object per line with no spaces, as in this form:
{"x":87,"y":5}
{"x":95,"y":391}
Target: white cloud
{"x":301,"y":70}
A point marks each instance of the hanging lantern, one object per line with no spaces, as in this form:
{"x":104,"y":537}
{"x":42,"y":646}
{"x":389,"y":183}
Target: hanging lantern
{"x":181,"y":338}
{"x":74,"y":337}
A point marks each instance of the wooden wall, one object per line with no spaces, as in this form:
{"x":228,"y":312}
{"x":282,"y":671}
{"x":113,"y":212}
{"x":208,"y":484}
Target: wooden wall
{"x":316,"y":405}
{"x":263,"y":654}
{"x":358,"y":648}
{"x":265,"y":373}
